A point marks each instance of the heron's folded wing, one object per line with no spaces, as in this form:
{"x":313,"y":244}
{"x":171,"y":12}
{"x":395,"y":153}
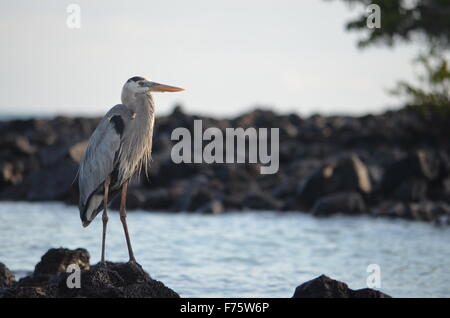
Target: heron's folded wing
{"x":101,"y":152}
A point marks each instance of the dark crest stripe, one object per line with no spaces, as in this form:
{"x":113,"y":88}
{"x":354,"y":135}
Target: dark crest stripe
{"x":136,"y":79}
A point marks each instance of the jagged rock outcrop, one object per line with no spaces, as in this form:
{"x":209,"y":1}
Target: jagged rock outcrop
{"x":53,"y":278}
{"x":325,"y":287}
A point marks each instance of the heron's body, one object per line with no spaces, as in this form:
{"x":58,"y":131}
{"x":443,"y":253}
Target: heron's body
{"x":119,"y":147}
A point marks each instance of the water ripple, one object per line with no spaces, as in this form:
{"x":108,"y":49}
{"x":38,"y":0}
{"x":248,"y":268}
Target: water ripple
{"x":251,"y":254}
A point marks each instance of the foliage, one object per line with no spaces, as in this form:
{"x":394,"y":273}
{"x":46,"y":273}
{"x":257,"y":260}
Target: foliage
{"x":432,"y":96}
{"x":410,"y":20}
{"x":402,"y":19}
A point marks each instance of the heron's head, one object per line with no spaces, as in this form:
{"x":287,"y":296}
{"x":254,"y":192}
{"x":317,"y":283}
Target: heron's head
{"x":138,"y":85}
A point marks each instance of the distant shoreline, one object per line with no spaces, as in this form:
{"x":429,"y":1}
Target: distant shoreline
{"x":395,"y":164}
{"x":11,"y":116}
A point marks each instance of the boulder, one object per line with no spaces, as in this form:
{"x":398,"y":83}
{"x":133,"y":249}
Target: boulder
{"x":158,"y":199}
{"x":18,"y":145}
{"x":259,"y":200}
{"x":325,"y":287}
{"x":341,"y":202}
{"x":56,"y":260}
{"x":113,"y":280}
{"x":425,"y":210}
{"x":213,"y":207}
{"x":11,"y":174}
{"x":194,"y":198}
{"x":7,"y":278}
{"x":411,"y":189}
{"x":50,"y":279}
{"x":422,"y":211}
{"x":394,"y":209}
{"x":420,"y":164}
{"x":348,"y":174}
{"x":53,"y":262}
{"x":56,"y":182}
{"x":24,"y":292}
{"x":76,"y":151}
{"x":135,"y":199}
{"x":441,"y":213}
{"x":195,"y":194}
{"x":315,"y":185}
{"x":351,"y":174}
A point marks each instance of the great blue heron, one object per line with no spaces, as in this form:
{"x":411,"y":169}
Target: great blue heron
{"x":119,"y":147}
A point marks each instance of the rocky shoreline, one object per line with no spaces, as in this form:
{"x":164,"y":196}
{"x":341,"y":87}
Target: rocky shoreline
{"x":395,"y":164}
{"x":127,"y":280}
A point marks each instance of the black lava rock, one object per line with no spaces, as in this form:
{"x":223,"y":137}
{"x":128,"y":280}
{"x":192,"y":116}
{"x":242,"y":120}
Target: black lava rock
{"x":325,"y":287}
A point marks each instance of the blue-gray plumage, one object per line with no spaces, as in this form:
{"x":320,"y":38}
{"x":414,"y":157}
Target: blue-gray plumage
{"x":99,"y":160}
{"x":119,"y":147}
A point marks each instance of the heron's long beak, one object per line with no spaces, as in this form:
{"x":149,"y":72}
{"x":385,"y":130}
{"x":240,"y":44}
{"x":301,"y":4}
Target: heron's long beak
{"x":157,"y":87}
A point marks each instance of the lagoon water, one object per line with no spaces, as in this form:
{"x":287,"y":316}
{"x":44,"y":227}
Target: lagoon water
{"x":251,"y":254}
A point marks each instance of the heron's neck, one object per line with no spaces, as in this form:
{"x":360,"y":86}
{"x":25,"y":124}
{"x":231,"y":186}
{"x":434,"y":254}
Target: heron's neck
{"x":142,"y":106}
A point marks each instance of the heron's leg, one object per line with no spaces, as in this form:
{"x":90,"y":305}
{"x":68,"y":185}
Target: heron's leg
{"x":105,"y":215}
{"x":123,"y":219}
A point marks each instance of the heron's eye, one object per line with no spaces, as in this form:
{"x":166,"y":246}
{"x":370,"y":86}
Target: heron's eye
{"x":141,"y":83}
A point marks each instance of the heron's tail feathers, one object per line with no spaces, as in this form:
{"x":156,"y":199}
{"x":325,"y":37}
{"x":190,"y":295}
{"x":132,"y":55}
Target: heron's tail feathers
{"x":90,"y":210}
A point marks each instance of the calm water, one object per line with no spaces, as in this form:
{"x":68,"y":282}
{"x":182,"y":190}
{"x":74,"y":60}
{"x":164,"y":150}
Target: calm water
{"x":241,"y":254}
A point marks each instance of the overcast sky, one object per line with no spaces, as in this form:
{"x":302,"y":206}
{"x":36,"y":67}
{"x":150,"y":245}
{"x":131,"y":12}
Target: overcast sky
{"x":229,"y":55}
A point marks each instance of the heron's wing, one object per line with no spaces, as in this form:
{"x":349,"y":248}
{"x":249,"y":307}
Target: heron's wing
{"x":99,"y":159}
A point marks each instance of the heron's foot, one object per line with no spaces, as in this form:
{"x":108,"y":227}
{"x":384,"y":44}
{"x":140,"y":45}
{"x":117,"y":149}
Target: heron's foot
{"x":132,"y":261}
{"x":103,"y":264}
